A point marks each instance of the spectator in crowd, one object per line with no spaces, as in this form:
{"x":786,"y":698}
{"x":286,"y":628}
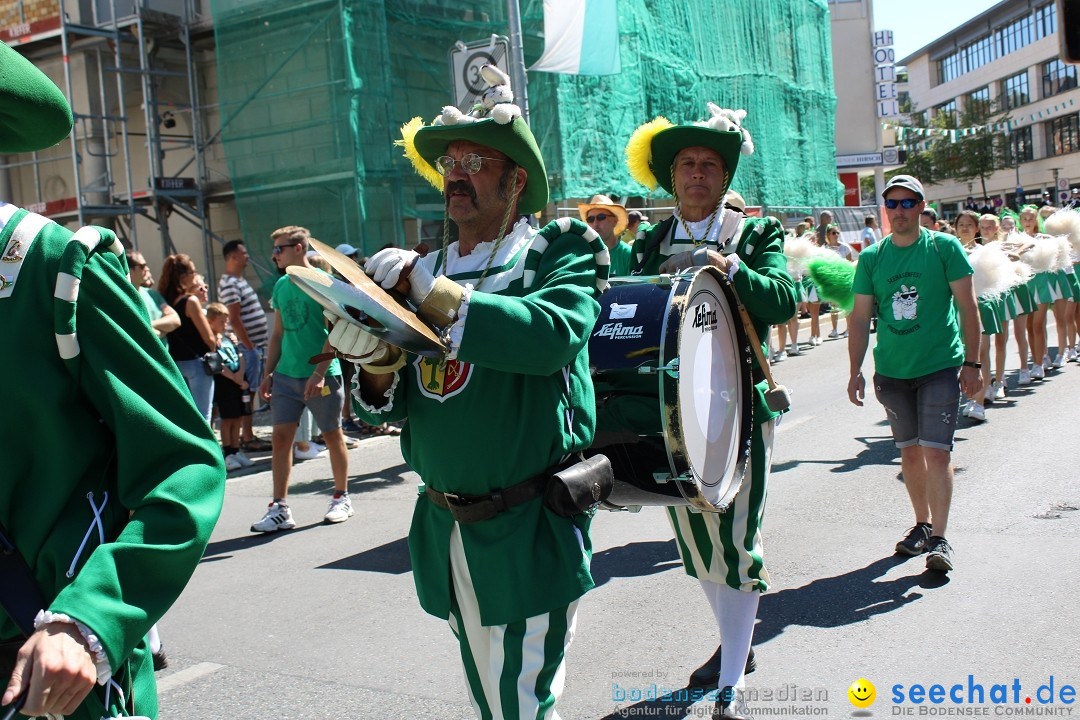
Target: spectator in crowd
{"x":163,"y":319}
{"x":248,"y":322}
{"x":928,"y":218}
{"x":841,"y":248}
{"x":870,"y":233}
{"x":194,"y":338}
{"x":609,"y":220}
{"x":231,"y":392}
{"x":201,"y":289}
{"x":919,"y":279}
{"x":636,"y":222}
{"x":294,"y":383}
{"x":825,"y":219}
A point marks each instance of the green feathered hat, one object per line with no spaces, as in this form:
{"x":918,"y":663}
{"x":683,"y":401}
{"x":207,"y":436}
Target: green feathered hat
{"x":654,"y":145}
{"x":34,"y":114}
{"x":493,"y":122}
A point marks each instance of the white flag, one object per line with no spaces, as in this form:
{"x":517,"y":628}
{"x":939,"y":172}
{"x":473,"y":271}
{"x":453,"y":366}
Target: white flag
{"x":581,"y":37}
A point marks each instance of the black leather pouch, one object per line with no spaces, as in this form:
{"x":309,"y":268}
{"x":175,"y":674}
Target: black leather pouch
{"x":580,"y":487}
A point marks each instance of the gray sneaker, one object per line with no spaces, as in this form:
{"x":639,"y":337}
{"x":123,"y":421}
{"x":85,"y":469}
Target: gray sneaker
{"x":915,"y":541}
{"x":340,"y":509}
{"x":939,"y":554}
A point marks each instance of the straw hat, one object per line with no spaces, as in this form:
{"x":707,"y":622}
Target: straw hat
{"x":603,"y":202}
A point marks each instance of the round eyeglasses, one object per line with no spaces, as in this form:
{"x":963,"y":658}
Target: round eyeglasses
{"x":470,"y":163}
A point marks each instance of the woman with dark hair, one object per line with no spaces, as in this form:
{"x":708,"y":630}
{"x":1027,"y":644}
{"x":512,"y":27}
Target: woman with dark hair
{"x":194,"y":338}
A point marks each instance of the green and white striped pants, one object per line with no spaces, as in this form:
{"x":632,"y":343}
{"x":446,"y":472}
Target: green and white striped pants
{"x":515,"y":671}
{"x":726,"y":548}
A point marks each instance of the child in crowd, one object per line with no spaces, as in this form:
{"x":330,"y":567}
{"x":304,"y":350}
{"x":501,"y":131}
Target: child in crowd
{"x":231,"y":392}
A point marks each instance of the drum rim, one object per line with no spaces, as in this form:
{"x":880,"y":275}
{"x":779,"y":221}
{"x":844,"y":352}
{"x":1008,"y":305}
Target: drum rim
{"x":691,"y":491}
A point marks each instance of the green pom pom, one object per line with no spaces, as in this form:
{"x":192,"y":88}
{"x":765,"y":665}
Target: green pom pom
{"x":834,"y":279}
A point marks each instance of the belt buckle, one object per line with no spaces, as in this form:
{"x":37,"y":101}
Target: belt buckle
{"x":454,"y":500}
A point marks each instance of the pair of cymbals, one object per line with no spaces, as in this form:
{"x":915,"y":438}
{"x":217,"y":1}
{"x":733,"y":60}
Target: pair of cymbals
{"x":363,"y":303}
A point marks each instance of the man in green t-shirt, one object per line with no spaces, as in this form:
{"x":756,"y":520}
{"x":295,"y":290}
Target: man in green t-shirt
{"x":919,"y":279}
{"x":291,"y":382}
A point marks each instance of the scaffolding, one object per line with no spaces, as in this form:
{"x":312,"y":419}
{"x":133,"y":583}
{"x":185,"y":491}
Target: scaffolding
{"x":138,"y":147}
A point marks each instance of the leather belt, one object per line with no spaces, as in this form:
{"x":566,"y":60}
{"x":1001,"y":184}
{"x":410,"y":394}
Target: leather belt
{"x":477,"y":508}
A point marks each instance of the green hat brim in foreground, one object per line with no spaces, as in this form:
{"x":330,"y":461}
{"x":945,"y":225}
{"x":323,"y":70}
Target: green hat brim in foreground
{"x":34,"y":114}
{"x":667,"y":144}
{"x":514,"y":140}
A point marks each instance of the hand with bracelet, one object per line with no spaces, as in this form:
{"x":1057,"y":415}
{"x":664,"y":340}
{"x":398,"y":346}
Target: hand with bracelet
{"x":970,"y":378}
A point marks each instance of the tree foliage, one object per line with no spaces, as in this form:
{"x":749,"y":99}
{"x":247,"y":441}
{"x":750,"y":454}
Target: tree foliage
{"x":952,"y":151}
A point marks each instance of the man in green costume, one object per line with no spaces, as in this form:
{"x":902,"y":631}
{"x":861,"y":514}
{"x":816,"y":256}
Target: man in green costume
{"x":111,"y":516}
{"x":722,"y":550}
{"x":511,"y":399}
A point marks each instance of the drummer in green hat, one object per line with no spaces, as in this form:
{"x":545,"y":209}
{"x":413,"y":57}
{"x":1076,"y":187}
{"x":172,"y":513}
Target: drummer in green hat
{"x":109,"y":510}
{"x":695,"y":163}
{"x":509,"y":402}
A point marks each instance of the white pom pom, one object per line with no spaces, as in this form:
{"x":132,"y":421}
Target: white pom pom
{"x":505,"y":113}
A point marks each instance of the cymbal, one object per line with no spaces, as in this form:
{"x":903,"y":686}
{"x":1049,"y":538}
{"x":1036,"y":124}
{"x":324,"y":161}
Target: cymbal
{"x":369,"y":307}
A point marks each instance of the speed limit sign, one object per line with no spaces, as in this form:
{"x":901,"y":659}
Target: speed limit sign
{"x":466,"y":59}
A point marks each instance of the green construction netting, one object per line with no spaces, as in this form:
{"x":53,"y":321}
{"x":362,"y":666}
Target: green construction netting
{"x":312,"y":95}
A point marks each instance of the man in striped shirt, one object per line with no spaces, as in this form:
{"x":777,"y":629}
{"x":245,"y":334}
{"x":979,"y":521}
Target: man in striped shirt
{"x":248,"y":322}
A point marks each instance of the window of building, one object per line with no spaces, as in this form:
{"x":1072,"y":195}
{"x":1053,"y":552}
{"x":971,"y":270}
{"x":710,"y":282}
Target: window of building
{"x":1063,"y":135}
{"x":949,"y":110}
{"x":979,"y":100}
{"x":1019,"y":148}
{"x":1017,"y":34}
{"x":1046,"y":20}
{"x":1057,"y":77}
{"x":971,"y":56}
{"x":1014,"y":91}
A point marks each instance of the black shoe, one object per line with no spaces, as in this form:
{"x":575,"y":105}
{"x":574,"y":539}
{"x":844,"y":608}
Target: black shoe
{"x":161,"y":660}
{"x":708,"y":674}
{"x":938,"y":554}
{"x":728,"y":708}
{"x":914,"y":543}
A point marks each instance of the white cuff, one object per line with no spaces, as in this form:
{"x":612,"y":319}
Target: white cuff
{"x":389,"y":395}
{"x":456,"y":331}
{"x":734,"y":263}
{"x":101,"y":660}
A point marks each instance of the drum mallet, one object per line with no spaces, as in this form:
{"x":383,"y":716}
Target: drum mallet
{"x":777,"y":397}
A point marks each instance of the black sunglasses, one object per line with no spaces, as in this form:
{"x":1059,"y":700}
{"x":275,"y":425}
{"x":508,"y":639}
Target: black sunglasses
{"x":278,"y":249}
{"x":906,"y":203}
{"x":598,"y":217}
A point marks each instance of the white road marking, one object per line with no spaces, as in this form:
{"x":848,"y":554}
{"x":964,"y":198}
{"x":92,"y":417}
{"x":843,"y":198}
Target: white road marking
{"x":187,"y":675}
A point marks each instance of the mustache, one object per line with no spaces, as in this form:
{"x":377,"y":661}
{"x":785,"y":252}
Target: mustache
{"x":456,"y":185}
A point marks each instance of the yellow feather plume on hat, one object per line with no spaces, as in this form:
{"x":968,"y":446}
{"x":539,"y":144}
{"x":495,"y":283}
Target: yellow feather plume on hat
{"x":423,"y":169}
{"x":639,"y":151}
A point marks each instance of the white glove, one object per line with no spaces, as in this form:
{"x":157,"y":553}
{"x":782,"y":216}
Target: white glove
{"x":385,"y":268}
{"x":352,"y":342}
{"x":691,"y":258}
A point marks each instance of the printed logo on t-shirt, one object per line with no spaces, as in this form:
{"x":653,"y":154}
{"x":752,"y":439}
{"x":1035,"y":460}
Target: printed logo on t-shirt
{"x":440,"y":382}
{"x":905,"y":303}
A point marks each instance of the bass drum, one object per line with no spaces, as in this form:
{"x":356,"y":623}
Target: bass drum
{"x":672,"y":370}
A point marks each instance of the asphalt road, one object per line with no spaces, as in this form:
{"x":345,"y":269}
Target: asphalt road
{"x":323,"y":622}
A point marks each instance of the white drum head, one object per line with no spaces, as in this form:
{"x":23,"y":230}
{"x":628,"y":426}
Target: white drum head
{"x":710,"y":392}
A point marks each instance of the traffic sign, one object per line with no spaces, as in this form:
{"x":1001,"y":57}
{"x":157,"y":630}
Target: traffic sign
{"x":1063,"y":184}
{"x":466,"y":59}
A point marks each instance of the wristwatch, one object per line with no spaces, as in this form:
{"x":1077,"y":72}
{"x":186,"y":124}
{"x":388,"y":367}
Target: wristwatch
{"x":972,"y":364}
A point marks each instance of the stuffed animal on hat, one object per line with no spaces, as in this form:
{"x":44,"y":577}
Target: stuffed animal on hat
{"x":727,"y":120}
{"x":496,"y":102}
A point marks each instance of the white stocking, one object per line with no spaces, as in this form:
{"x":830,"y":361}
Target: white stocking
{"x":735,"y":612}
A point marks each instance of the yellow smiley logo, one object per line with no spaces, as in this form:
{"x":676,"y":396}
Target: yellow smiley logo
{"x":862,"y":693}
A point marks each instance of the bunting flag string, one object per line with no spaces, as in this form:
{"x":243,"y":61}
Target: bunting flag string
{"x":908,"y":132}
